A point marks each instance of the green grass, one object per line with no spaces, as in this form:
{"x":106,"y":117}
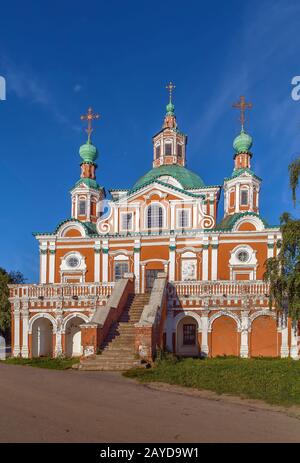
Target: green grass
{"x":276,"y":381}
{"x":43,"y":362}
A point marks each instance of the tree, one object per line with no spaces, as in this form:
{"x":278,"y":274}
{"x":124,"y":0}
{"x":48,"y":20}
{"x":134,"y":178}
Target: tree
{"x":7,"y":278}
{"x":283,"y":271}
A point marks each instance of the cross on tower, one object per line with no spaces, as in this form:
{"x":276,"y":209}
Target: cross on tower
{"x":242,"y":105}
{"x":89,"y":117}
{"x":170,"y":87}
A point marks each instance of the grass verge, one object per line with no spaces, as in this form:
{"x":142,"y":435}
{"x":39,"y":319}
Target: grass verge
{"x":43,"y":362}
{"x":276,"y":381}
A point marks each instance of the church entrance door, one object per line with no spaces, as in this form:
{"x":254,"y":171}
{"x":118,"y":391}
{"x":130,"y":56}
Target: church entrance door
{"x":151,"y":275}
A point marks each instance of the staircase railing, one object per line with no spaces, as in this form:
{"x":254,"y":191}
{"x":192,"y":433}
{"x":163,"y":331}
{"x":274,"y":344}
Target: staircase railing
{"x":149,"y":329}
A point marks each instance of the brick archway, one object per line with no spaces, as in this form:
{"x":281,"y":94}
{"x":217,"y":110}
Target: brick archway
{"x":264,"y":337}
{"x":224,"y":337}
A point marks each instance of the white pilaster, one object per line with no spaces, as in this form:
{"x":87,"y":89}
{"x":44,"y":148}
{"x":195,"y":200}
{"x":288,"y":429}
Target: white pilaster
{"x":211,"y":206}
{"x":244,"y":350}
{"x":284,"y":350}
{"x":43,"y":262}
{"x":97,"y":262}
{"x":137,"y":253}
{"x":51,"y":262}
{"x":143,"y":278}
{"x":116,"y":219}
{"x":172,"y":219}
{"x":88,"y":210}
{"x":237,"y":197}
{"x":214,"y":258}
{"x":172,"y":253}
{"x":204,"y":338}
{"x":137,"y":219}
{"x":105,"y":262}
{"x":205,"y":260}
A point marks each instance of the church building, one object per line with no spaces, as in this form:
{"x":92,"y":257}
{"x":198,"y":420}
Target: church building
{"x":155,"y":265}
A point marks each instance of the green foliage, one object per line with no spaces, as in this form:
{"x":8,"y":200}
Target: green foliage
{"x":283,"y":271}
{"x":294,"y":170}
{"x":276,"y":381}
{"x":44,"y":362}
{"x":5,"y":279}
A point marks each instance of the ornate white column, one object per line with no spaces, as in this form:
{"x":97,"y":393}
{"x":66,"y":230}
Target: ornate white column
{"x":116,"y":219}
{"x":25,"y":320}
{"x":16,"y":350}
{"x":244,"y":350}
{"x":205,"y":260}
{"x":97,"y":250}
{"x":294,"y":341}
{"x":204,"y":338}
{"x":43,"y":262}
{"x":270,"y":246}
{"x":137,"y":253}
{"x":105,"y":261}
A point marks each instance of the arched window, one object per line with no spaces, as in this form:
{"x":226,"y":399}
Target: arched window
{"x":155,"y":216}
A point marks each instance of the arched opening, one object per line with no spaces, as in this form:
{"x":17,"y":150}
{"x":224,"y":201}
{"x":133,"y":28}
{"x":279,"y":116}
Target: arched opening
{"x":187,"y":337}
{"x":264,"y":337}
{"x":224,"y":337}
{"x":73,"y":337}
{"x":42,"y":338}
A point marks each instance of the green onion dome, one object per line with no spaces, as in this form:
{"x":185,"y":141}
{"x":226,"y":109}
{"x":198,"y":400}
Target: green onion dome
{"x":242,"y":143}
{"x":88,"y":152}
{"x":170,"y":109}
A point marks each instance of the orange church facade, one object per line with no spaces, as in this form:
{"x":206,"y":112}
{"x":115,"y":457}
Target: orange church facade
{"x":214,"y":300}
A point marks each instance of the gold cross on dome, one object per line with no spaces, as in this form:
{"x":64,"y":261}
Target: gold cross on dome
{"x":89,"y":117}
{"x":242,"y":105}
{"x":170,"y":87}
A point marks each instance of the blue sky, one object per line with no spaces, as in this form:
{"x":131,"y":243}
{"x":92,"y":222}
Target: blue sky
{"x":60,"y":57}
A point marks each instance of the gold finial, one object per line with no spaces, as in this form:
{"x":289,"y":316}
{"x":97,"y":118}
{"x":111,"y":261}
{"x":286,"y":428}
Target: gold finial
{"x":242,"y":105}
{"x":89,"y":117}
{"x":170,"y":87}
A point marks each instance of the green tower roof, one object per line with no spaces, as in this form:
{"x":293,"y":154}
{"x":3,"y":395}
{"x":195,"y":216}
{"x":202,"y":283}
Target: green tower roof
{"x":88,"y":152}
{"x":187,"y":178}
{"x":242,"y":143}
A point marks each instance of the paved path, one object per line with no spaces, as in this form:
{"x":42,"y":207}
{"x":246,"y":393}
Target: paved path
{"x":39,"y":405}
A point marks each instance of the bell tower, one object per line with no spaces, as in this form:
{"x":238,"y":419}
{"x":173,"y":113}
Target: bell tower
{"x":86,"y":194}
{"x":169,"y":145}
{"x":241,"y":190}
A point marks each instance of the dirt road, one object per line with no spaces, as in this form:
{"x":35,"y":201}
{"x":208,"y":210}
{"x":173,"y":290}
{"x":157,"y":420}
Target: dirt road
{"x":39,"y":405}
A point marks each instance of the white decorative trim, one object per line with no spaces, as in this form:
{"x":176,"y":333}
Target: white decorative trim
{"x":42,"y":315}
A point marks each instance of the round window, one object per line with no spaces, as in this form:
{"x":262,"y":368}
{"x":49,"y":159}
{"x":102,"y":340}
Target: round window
{"x":243,"y":256}
{"x":73,"y":261}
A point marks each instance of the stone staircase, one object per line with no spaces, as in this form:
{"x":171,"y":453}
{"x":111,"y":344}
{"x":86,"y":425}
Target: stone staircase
{"x":117,"y":352}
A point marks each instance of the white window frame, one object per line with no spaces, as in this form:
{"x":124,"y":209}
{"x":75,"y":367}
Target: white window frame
{"x":163,"y":217}
{"x":179,"y":210}
{"x":122,"y":223}
{"x":241,"y":195}
{"x":80,"y":201}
